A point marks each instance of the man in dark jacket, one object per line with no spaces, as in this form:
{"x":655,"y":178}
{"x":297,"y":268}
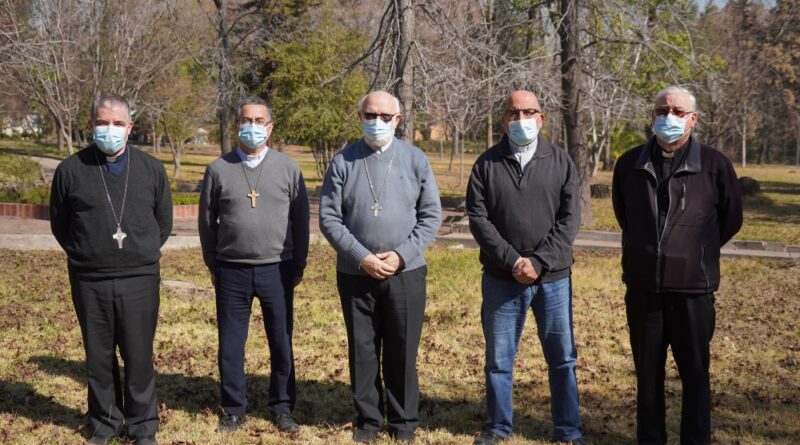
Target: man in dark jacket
{"x":111,"y":211}
{"x":677,"y":202}
{"x":524,"y":212}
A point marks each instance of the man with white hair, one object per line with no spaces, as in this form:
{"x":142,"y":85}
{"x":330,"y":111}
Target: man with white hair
{"x":379,"y":209}
{"x":677,"y":202}
{"x":111,"y":211}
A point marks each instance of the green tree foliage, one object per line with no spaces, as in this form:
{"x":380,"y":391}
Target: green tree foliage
{"x":314,"y":98}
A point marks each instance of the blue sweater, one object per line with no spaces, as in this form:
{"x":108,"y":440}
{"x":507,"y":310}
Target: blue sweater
{"x":410,"y":212}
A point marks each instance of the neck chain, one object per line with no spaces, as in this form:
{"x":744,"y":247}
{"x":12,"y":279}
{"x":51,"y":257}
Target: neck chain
{"x":253,"y":193}
{"x":119,"y":235}
{"x":376,"y":205}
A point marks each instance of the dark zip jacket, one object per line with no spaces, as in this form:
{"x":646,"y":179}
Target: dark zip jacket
{"x":533,"y":213}
{"x":705,"y":211}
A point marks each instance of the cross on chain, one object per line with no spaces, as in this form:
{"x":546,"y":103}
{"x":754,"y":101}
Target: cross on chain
{"x":253,"y":195}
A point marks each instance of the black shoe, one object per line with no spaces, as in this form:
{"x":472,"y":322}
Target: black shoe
{"x":98,"y":440}
{"x":578,"y":441}
{"x":361,"y":435}
{"x":229,"y":423}
{"x":487,"y":438}
{"x":286,"y":424}
{"x":151,"y":440}
{"x":402,"y":436}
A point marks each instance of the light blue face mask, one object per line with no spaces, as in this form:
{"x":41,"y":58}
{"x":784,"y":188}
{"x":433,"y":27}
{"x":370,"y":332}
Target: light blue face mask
{"x":253,"y":135}
{"x":109,"y":138}
{"x":377,"y":131}
{"x":669,"y":128}
{"x":523,"y":132}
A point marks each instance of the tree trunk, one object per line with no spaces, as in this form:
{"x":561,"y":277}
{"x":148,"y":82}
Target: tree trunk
{"x":453,"y":149}
{"x":461,"y":164}
{"x":568,"y":33}
{"x":404,"y":69}
{"x":176,"y":157}
{"x":797,"y":146}
{"x":744,"y":143}
{"x":224,"y":84}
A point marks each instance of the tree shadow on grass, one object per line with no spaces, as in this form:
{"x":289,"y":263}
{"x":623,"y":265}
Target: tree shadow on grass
{"x":317,"y":402}
{"x":22,"y":399}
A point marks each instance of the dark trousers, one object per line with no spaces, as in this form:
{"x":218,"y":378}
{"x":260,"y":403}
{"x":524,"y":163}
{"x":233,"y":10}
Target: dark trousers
{"x":384,"y":324}
{"x":686,"y":323}
{"x":236,"y":286}
{"x":119,"y":312}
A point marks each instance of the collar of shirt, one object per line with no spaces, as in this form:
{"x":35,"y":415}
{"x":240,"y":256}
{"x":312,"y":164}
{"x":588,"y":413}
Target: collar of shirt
{"x":382,"y":148}
{"x":115,"y":164}
{"x":523,"y":148}
{"x":523,"y":154}
{"x":252,"y":161}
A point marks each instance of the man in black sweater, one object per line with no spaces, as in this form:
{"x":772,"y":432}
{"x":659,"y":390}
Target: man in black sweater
{"x":524,"y":212}
{"x":677,"y":201}
{"x":111,"y":211}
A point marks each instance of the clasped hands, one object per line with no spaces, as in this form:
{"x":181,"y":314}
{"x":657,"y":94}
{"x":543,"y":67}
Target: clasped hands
{"x":382,"y":265}
{"x":524,"y":272}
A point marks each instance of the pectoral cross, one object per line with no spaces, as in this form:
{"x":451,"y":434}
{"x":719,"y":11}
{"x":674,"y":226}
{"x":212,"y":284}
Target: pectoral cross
{"x":253,"y":195}
{"x":376,"y":208}
{"x":119,"y":236}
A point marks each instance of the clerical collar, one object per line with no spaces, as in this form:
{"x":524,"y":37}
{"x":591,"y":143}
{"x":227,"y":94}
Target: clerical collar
{"x":120,"y":156}
{"x":523,"y":148}
{"x":252,"y":161}
{"x":381,"y":148}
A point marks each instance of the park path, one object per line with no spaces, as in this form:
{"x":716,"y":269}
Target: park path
{"x":47,"y":167}
{"x":34,"y":234}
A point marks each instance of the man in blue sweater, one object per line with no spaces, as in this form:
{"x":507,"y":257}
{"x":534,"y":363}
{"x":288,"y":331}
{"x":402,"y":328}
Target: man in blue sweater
{"x":522,"y":203}
{"x":111,"y":210}
{"x":379,"y":209}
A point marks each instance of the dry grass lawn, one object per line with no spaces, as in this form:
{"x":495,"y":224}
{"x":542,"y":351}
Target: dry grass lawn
{"x":756,"y":348}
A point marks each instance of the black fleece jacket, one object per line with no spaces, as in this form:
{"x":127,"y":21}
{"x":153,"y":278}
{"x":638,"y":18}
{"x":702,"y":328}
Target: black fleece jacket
{"x":533,"y":213}
{"x":705,"y":211}
{"x":82,"y":221}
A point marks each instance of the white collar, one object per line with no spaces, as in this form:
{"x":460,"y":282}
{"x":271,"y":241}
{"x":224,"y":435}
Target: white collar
{"x":523,"y":148}
{"x":382,"y":148}
{"x":252,"y":160}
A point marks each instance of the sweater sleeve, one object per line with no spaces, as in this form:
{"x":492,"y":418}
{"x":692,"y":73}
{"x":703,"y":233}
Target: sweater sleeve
{"x":207,"y":215}
{"x":300,"y":216}
{"x":59,"y":206}
{"x":163,"y":207}
{"x":555,"y":250}
{"x":485,"y":233}
{"x":331,"y":215}
{"x":429,"y":217}
{"x":729,"y":208}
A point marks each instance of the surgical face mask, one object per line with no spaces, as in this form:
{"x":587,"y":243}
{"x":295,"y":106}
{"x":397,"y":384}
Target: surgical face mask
{"x":253,"y":135}
{"x":109,"y":138}
{"x":669,"y":128}
{"x":523,"y":131}
{"x":377,"y":132}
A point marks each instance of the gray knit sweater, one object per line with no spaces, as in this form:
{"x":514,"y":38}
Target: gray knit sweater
{"x":410,"y":213}
{"x":275,"y":230}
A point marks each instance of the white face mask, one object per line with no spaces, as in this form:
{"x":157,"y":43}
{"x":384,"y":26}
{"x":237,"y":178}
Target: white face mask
{"x":110,"y":138}
{"x":377,"y":132}
{"x":523,"y":131}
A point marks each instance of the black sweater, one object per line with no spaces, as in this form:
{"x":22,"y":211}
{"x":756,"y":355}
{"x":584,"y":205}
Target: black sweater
{"x":535,"y":213}
{"x":82,"y":221}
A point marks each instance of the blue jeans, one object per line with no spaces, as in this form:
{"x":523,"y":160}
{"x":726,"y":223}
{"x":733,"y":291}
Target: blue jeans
{"x":505,"y":305}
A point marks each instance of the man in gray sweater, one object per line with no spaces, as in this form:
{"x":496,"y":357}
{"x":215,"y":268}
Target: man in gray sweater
{"x":379,"y":209}
{"x":254,"y":224}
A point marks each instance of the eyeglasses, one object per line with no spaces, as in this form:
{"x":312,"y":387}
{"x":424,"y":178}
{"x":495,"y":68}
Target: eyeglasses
{"x":257,"y":121}
{"x":527,"y":113}
{"x":384,"y":116}
{"x":677,"y":112}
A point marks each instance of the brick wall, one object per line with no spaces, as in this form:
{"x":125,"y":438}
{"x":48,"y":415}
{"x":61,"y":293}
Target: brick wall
{"x":34,"y":211}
